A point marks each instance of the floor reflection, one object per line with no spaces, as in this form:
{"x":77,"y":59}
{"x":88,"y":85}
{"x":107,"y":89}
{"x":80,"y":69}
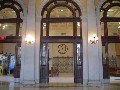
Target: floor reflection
{"x":37,"y":87}
{"x":8,"y":84}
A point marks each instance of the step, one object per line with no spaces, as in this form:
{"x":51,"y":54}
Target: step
{"x":60,"y":85}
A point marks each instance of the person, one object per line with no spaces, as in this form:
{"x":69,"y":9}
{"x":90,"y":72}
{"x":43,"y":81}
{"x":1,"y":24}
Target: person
{"x":54,"y":71}
{"x":5,"y":68}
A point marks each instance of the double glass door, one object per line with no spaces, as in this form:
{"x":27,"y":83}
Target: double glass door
{"x":77,"y":62}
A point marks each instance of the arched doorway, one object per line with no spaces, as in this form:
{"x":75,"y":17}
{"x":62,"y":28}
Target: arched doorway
{"x":11,"y":14}
{"x":61,"y":27}
{"x":110,"y":13}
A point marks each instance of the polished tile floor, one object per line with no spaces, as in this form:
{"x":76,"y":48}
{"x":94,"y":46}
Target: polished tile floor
{"x":102,"y":87}
{"x":5,"y":85}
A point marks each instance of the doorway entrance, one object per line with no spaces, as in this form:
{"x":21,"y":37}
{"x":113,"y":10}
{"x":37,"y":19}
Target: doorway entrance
{"x":10,"y":39}
{"x":61,"y":25}
{"x":110,"y":33}
{"x":61,"y":63}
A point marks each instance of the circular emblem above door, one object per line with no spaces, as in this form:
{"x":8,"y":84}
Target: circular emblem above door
{"x":62,"y":48}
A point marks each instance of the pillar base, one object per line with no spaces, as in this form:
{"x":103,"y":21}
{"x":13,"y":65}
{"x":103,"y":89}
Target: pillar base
{"x":17,"y":80}
{"x":106,"y":81}
{"x":94,"y":83}
{"x":28,"y":82}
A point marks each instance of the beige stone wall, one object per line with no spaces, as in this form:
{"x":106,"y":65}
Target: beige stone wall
{"x":96,"y":2}
{"x":84,"y":2}
{"x":38,"y":2}
{"x":26,"y":2}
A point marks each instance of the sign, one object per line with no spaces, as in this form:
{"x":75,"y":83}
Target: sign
{"x":2,"y":37}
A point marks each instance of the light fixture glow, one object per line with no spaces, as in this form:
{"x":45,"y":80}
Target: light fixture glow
{"x":29,"y":39}
{"x":118,"y":26}
{"x":93,"y":39}
{"x":43,"y":27}
{"x":61,"y":10}
{"x":44,"y":24}
{"x":110,"y":10}
{"x":2,"y":26}
{"x":78,"y":23}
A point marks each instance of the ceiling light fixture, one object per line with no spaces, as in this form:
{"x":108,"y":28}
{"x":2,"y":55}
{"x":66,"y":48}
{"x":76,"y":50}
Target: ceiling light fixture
{"x":2,"y":26}
{"x":110,"y":10}
{"x":61,"y":10}
{"x":78,"y":23}
{"x":44,"y":25}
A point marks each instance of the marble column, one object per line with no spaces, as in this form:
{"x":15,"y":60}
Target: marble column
{"x":28,"y":59}
{"x":93,"y":50}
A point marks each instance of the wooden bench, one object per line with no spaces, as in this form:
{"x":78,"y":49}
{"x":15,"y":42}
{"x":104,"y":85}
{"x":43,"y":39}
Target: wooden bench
{"x":114,"y":71}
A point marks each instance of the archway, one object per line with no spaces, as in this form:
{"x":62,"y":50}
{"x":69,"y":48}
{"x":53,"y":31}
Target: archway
{"x":110,"y":37}
{"x":11,"y":14}
{"x":61,"y":23}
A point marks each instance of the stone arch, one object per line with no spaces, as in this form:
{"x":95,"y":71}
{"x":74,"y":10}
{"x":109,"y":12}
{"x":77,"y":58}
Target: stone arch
{"x":45,"y":1}
{"x":84,"y":33}
{"x":99,"y":4}
{"x":23,"y":7}
{"x":98,"y":7}
{"x":39,"y":17}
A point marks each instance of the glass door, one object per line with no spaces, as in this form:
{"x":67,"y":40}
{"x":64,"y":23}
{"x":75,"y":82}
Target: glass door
{"x":78,"y":63}
{"x":44,"y":55}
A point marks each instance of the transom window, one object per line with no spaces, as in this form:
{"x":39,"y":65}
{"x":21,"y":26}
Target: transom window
{"x":11,"y":14}
{"x":110,"y":13}
{"x":61,"y":18}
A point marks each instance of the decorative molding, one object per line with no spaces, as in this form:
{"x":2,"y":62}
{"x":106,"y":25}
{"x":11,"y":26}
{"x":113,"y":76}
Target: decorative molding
{"x":64,"y":64}
{"x":62,"y":48}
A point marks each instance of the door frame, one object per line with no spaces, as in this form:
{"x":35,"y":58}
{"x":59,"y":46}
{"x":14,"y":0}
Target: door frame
{"x":64,"y":39}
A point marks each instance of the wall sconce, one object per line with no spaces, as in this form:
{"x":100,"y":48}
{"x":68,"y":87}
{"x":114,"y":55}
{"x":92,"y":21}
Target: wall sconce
{"x":29,"y":39}
{"x":93,"y":39}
